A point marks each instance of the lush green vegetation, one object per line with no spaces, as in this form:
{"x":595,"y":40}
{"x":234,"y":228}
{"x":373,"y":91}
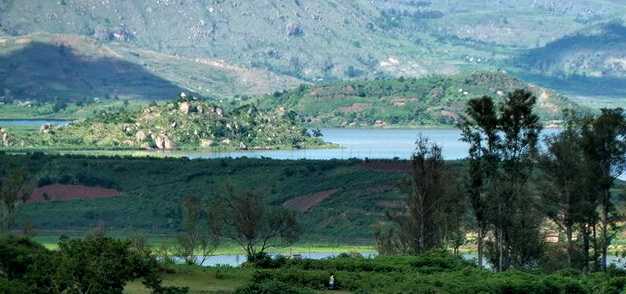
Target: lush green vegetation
{"x":430,"y":101}
{"x":431,"y":273}
{"x":96,"y":264}
{"x":153,"y":190}
{"x":183,"y":124}
{"x":115,"y":266}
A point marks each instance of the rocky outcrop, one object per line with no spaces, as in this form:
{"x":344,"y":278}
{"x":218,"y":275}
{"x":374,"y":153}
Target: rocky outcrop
{"x":163,"y":142}
{"x":185,"y":107}
{"x":5,"y":139}
{"x":180,"y":125}
{"x":206,"y":143}
{"x":140,"y":136}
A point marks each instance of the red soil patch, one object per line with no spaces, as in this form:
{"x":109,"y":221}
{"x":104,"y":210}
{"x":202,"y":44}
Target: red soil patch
{"x":356,"y":107}
{"x":387,"y":166}
{"x":305,"y":203}
{"x":58,"y":192}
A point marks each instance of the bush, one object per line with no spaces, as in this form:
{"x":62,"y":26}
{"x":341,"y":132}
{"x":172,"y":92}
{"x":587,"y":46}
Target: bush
{"x":265,"y":261}
{"x":96,"y":264}
{"x":271,"y":287}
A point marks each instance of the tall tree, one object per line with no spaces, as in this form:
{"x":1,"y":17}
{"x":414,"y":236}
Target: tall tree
{"x":503,"y":145}
{"x":195,"y":235}
{"x":516,"y":220}
{"x":432,"y":209}
{"x":564,"y":193}
{"x":15,"y":185}
{"x":604,"y":144}
{"x":246,"y":219}
{"x":480,"y":131}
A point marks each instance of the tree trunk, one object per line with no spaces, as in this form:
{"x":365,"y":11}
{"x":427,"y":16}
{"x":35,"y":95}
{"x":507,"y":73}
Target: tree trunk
{"x":570,"y":244}
{"x":605,"y":234}
{"x":596,"y":251}
{"x":586,"y":248}
{"x":480,"y":245}
{"x":500,"y":251}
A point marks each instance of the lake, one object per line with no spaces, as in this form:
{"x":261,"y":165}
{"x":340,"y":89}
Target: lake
{"x":355,"y":143}
{"x":237,"y":260}
{"x":32,"y":122}
{"x":361,"y":143}
{"x":365,"y":143}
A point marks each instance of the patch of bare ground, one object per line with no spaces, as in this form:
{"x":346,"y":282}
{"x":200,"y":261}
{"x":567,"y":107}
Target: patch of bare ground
{"x":356,"y":107}
{"x":58,"y":192}
{"x":306,"y":203}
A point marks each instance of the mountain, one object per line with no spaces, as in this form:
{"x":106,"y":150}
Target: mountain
{"x":429,"y":101}
{"x":591,"y":61}
{"x":46,"y":67}
{"x":187,"y":123}
{"x":324,"y":39}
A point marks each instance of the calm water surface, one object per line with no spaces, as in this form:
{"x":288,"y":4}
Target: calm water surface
{"x":365,"y":143}
{"x":237,"y":260}
{"x":31,"y":122}
{"x":361,"y":143}
{"x":355,"y":143}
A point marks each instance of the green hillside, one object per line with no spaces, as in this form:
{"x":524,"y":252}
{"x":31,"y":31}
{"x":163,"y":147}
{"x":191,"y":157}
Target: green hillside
{"x":45,"y":67}
{"x":589,"y":62}
{"x":430,"y":101}
{"x":320,"y":39}
{"x":184,"y":124}
{"x":152,"y":190}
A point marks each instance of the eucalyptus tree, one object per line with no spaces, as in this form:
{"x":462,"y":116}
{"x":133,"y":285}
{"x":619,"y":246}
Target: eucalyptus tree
{"x":502,"y":155}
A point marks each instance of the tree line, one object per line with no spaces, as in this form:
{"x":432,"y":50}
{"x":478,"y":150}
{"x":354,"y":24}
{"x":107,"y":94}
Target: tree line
{"x":513,"y":189}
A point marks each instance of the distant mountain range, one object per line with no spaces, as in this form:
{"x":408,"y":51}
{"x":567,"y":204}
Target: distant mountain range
{"x":589,"y":62}
{"x":150,"y":49}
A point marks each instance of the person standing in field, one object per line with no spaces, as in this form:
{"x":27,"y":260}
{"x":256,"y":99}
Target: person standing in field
{"x":331,"y":282}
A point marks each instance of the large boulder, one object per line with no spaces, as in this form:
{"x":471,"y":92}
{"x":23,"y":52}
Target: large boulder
{"x":185,"y":107}
{"x":140,"y":136}
{"x":163,"y":142}
{"x":4,"y":138}
{"x":206,"y":143}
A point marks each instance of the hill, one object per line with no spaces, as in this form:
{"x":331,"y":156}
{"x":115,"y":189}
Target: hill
{"x":429,"y":101}
{"x":325,"y":39}
{"x":590,"y":61}
{"x":151,"y":192}
{"x":45,"y":67}
{"x":184,"y":124}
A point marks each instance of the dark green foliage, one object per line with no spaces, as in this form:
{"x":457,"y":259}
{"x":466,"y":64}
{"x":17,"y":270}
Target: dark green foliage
{"x":503,"y":147}
{"x":271,"y":287}
{"x":153,"y":189}
{"x":432,"y":273}
{"x":97,"y":264}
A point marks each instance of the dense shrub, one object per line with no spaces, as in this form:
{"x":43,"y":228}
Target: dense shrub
{"x":96,"y":264}
{"x":436,"y":272}
{"x":271,"y":287}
